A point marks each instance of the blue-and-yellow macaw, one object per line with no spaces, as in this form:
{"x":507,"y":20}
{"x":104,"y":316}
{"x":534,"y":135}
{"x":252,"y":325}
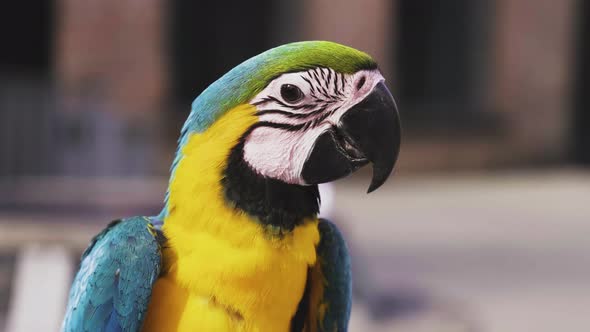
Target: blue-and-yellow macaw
{"x":238,"y":245}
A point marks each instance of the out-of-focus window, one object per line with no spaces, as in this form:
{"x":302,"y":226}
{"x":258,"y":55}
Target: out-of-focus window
{"x":26,"y":104}
{"x":581,"y":119}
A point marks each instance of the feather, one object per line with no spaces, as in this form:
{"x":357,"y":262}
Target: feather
{"x":112,"y":289}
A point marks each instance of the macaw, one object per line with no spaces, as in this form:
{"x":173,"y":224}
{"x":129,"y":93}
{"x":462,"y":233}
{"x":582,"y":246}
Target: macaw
{"x":238,"y":245}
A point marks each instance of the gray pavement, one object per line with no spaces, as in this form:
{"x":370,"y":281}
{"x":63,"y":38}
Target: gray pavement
{"x":503,"y":253}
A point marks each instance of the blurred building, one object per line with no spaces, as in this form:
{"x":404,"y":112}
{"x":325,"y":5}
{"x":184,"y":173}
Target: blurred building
{"x":91,"y":88}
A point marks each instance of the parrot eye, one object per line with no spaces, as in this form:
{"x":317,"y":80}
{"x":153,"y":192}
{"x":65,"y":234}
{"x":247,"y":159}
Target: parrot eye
{"x":360,"y":83}
{"x":291,"y":93}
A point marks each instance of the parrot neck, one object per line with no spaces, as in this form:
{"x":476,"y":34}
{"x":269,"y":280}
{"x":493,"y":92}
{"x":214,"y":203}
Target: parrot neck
{"x":217,"y":247}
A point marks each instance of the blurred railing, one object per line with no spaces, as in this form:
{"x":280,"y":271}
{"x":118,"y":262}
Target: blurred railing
{"x":45,"y":224}
{"x":44,"y":134}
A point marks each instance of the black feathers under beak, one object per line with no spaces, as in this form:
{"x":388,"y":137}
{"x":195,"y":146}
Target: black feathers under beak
{"x":368,"y":132}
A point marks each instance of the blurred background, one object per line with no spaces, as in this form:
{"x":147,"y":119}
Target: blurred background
{"x":484,"y":227}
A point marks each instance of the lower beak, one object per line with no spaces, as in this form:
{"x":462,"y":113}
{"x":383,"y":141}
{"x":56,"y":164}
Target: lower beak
{"x":369,"y":131}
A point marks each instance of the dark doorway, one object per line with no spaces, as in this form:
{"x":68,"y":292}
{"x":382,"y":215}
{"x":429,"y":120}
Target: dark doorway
{"x":442,"y":59}
{"x":26,"y":59}
{"x":207,"y":41}
{"x":581,"y":119}
{"x":26,"y":31}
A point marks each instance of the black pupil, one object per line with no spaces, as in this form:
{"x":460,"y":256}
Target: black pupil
{"x":291,"y":93}
{"x":361,"y":82}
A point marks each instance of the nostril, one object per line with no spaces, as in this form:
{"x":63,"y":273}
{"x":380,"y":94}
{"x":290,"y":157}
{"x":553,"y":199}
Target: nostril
{"x":361,"y":82}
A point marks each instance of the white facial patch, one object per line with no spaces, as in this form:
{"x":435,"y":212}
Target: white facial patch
{"x":287,"y":131}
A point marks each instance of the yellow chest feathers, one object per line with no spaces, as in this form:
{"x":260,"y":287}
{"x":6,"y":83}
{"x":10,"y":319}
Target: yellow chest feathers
{"x":222,"y":270}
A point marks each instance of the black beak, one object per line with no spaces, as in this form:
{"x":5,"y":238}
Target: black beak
{"x":369,"y":131}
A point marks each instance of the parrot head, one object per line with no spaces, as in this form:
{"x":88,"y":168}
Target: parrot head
{"x":320,"y":111}
{"x":323,"y":112}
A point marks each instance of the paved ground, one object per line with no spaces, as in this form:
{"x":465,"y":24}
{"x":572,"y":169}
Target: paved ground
{"x":497,"y":253}
{"x":492,"y":253}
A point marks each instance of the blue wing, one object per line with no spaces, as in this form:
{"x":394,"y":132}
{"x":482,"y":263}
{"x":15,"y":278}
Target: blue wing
{"x":112,"y":289}
{"x":327,"y":300}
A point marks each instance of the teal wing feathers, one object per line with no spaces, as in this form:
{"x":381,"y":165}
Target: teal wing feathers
{"x":327,"y":300}
{"x":112,"y":289}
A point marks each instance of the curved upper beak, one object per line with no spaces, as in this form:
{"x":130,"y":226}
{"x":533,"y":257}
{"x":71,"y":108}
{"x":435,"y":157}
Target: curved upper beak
{"x":369,"y":131}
